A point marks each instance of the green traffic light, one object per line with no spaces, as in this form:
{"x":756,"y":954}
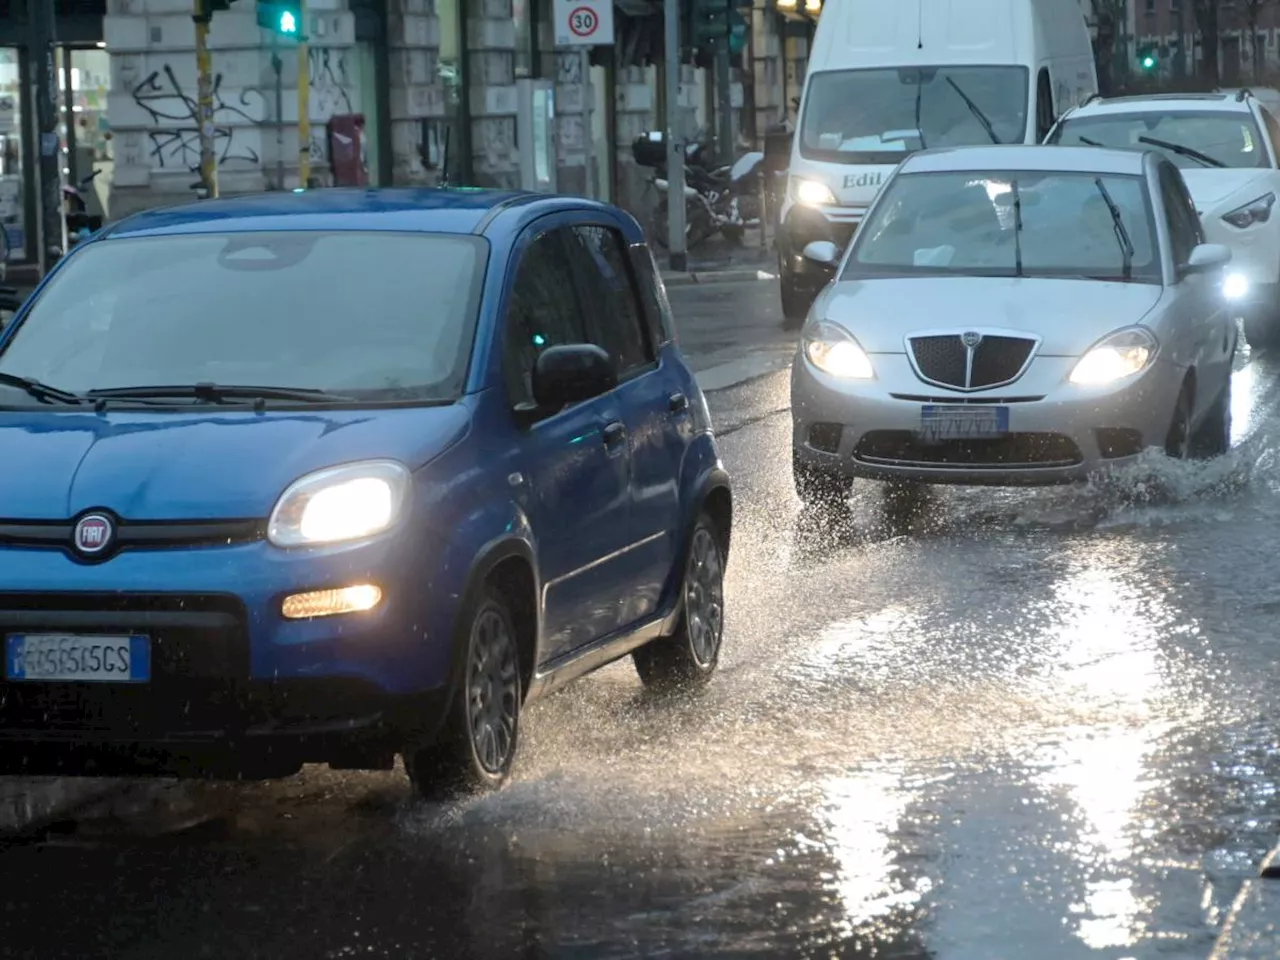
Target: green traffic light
{"x":288,"y":22}
{"x":1148,"y":62}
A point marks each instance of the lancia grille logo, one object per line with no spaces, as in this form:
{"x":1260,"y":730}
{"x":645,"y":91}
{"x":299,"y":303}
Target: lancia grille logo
{"x":93,"y":534}
{"x":970,"y":338}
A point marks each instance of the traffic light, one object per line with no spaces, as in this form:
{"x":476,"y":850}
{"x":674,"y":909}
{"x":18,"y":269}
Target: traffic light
{"x":283,"y":17}
{"x":1148,"y":60}
{"x":712,"y":22}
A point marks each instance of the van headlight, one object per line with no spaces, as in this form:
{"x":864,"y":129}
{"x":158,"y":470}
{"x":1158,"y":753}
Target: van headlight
{"x":812,"y":192}
{"x":1114,"y":357}
{"x":338,"y":504}
{"x":830,"y":349}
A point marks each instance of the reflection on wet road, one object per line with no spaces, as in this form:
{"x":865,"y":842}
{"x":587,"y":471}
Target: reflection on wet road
{"x":973,"y":724}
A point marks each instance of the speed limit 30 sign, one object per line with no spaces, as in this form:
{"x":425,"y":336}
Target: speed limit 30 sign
{"x":583,"y":23}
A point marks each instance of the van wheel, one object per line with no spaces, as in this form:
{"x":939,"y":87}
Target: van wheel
{"x":477,"y":747}
{"x":690,"y":655}
{"x":796,"y":301}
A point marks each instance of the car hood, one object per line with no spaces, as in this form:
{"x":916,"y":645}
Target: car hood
{"x":1068,"y":315}
{"x":1211,"y":188}
{"x":199,"y":466}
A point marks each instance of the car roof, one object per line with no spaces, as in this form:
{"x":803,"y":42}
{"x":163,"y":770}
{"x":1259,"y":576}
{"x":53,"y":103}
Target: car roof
{"x":1164,"y":103}
{"x":1027,"y":157}
{"x":403,"y":209}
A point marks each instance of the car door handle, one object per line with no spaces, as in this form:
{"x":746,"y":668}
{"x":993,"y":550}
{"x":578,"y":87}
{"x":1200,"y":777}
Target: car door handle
{"x":614,"y":433}
{"x":678,"y":403}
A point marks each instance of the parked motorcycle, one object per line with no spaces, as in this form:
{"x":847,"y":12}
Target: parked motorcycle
{"x":721,"y":199}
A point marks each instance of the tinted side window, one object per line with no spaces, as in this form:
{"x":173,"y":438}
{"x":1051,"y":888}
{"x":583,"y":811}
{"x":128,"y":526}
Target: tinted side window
{"x":542,"y":312}
{"x":653,"y":294}
{"x":1184,"y":224}
{"x":1044,"y":106}
{"x":614,"y":315}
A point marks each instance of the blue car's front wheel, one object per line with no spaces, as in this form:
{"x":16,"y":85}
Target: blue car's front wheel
{"x":478,"y":744}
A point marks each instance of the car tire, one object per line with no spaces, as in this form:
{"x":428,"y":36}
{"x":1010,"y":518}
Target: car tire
{"x":796,"y":301}
{"x":477,"y":746}
{"x":1260,"y":328}
{"x":688,"y":658}
{"x":1213,"y":438}
{"x":1177,"y":444}
{"x":817,"y":487}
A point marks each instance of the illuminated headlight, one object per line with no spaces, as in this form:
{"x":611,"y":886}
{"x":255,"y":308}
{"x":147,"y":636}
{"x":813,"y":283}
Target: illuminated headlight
{"x":1120,"y":355}
{"x":1235,"y":286}
{"x":350,"y":502}
{"x":1255,"y":211}
{"x":834,"y":352}
{"x":331,"y":603}
{"x":813,"y":193}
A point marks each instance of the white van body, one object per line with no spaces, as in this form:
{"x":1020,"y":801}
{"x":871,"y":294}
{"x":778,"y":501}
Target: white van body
{"x":888,"y":78}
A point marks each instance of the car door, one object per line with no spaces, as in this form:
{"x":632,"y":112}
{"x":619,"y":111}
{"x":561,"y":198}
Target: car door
{"x":1199,"y":306}
{"x":653,"y":406}
{"x":575,"y":483}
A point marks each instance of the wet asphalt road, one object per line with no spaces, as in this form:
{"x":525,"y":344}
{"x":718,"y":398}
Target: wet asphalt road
{"x":983,"y":724}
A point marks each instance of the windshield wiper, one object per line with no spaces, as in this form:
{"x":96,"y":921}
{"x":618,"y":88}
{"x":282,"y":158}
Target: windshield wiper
{"x":919,"y":128}
{"x":217,"y":393}
{"x":1117,"y":223}
{"x":975,"y":110}
{"x":1180,"y":150}
{"x":1087,"y":142}
{"x":41,"y":391}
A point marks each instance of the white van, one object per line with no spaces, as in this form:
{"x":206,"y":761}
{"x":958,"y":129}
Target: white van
{"x":886,"y":79}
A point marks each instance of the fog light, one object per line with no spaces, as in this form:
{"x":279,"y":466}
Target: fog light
{"x":1235,"y":286}
{"x":328,"y":603}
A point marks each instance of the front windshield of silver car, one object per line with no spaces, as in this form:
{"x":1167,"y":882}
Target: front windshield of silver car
{"x":1006,"y":223}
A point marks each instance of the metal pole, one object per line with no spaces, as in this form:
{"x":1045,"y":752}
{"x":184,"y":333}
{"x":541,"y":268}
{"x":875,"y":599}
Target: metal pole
{"x":204,"y":97}
{"x":278,"y":66}
{"x":675,"y":144}
{"x":304,"y":101}
{"x":52,"y":233}
{"x":724,"y":97}
{"x":588,"y":133}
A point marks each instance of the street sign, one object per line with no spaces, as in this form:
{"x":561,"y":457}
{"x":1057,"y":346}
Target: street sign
{"x":584,"y":23}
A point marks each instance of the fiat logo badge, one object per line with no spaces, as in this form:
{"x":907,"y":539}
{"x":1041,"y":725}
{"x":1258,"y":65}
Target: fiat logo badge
{"x":93,"y":534}
{"x":970,"y":338}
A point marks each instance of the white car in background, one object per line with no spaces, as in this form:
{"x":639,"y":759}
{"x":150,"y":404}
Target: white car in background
{"x":1227,"y":147}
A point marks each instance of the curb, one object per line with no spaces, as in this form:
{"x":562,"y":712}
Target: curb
{"x":26,"y":803}
{"x":1252,"y":927}
{"x":716,"y":276}
{"x":722,"y":376}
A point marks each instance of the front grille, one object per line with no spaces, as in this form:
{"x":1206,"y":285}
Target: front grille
{"x":199,"y":665}
{"x":904,"y":448}
{"x":995,"y":360}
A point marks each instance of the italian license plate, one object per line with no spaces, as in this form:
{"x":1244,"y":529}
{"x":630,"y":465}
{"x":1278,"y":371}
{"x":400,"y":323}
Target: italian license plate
{"x":85,"y":658}
{"x":940,"y":422}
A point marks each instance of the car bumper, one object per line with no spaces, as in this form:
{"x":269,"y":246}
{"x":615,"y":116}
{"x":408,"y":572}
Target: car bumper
{"x":1058,"y":433}
{"x":226,"y":665}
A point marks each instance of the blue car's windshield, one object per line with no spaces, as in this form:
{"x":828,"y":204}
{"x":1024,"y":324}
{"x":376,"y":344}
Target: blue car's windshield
{"x":372,"y":316}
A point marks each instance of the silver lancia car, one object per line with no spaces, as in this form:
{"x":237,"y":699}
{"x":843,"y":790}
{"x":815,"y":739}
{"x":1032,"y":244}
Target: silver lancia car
{"x":1014,"y":315}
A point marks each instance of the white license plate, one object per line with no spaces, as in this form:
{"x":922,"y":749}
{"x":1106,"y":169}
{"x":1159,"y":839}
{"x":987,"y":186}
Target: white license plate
{"x":83,"y":658}
{"x":969,"y":422}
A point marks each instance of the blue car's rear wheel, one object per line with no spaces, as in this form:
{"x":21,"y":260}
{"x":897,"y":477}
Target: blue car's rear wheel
{"x":690,"y":655}
{"x":478,"y":744}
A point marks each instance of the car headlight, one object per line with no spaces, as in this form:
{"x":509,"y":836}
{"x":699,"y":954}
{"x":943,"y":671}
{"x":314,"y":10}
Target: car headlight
{"x":1120,"y":355}
{"x":1235,"y":286}
{"x":1255,"y":211}
{"x":350,"y":502}
{"x":813,"y":193}
{"x":833,"y":351}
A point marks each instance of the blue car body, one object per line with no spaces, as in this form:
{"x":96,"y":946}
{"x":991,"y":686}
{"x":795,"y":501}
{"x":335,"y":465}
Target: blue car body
{"x":587,"y":535}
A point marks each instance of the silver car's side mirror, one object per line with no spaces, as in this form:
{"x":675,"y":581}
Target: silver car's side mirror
{"x":1206,"y":258}
{"x":823,"y":252}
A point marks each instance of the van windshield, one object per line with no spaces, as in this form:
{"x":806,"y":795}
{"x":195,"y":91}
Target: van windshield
{"x":880,"y":115}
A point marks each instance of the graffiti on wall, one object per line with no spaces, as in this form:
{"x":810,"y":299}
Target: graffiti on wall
{"x":174,"y":113}
{"x":332,"y":84}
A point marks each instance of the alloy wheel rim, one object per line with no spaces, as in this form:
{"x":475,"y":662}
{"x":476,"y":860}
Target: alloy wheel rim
{"x":492,"y":691}
{"x":704,"y":597}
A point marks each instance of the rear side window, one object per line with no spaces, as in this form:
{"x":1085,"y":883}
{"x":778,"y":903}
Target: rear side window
{"x":1184,"y":222}
{"x":653,"y":295}
{"x":614,"y":314}
{"x":542,"y":312}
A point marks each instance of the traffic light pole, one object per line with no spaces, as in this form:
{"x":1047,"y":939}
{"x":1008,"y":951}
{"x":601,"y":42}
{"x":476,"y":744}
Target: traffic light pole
{"x":675,"y":145}
{"x":304,"y":101}
{"x":202,"y":14}
{"x":724,"y":97}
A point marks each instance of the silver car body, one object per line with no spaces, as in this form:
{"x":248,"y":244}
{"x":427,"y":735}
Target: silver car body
{"x":1059,"y":431}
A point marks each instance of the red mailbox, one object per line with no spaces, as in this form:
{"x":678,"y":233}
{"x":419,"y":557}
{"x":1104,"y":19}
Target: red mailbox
{"x":348,"y":150}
